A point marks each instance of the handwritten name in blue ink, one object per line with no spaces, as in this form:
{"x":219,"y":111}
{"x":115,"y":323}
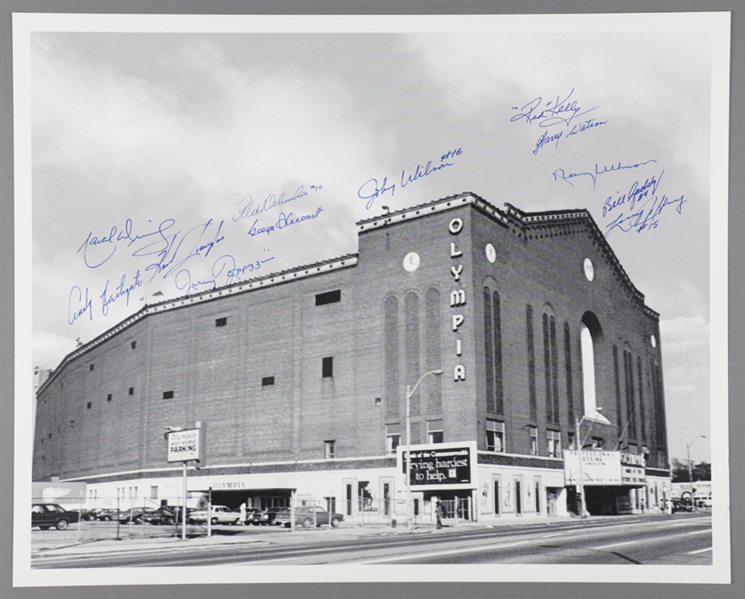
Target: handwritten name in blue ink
{"x":546,"y":138}
{"x":637,"y":192}
{"x":122,"y":290}
{"x":77,"y":305}
{"x":283,"y":221}
{"x":176,"y":248}
{"x":641,"y":208}
{"x":247,"y":208}
{"x":561,"y":174}
{"x":549,"y":113}
{"x":80,"y":304}
{"x":235,"y":273}
{"x":373,"y":188}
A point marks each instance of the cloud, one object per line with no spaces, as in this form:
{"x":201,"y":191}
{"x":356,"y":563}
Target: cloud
{"x":187,"y":140}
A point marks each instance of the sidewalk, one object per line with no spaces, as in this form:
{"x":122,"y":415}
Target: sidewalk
{"x":261,"y":536}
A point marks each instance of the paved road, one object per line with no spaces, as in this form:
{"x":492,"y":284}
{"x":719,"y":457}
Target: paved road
{"x":681,"y":539}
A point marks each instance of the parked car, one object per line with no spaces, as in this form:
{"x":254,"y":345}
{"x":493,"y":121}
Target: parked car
{"x":220,"y":515}
{"x":703,"y":502}
{"x":107,"y":514}
{"x":304,"y":517}
{"x":256,"y":516}
{"x":162,"y":515}
{"x":136,"y":515}
{"x":682,"y":505}
{"x":46,"y":515}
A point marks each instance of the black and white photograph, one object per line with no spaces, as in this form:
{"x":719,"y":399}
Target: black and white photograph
{"x":371,"y":298}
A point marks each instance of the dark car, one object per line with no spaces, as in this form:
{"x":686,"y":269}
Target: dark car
{"x":305,"y":517}
{"x":682,"y":505}
{"x":136,"y":515}
{"x":256,"y":516}
{"x":107,"y":514}
{"x":46,"y":515}
{"x":161,"y":515}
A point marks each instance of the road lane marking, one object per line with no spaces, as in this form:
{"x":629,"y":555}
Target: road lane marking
{"x":556,"y":534}
{"x":698,"y":532}
{"x":614,"y":545}
{"x":700,"y":551}
{"x":417,"y":556}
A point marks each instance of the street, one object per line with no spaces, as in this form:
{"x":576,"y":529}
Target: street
{"x":679,"y":539}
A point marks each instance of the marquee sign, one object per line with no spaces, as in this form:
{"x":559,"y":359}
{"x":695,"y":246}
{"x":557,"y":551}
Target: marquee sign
{"x":441,"y":466}
{"x":604,"y":468}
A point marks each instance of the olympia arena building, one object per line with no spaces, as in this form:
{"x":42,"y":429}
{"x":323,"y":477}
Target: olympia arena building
{"x":301,"y":379}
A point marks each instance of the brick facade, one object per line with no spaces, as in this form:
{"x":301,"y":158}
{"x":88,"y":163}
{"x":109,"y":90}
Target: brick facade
{"x":389,"y":326}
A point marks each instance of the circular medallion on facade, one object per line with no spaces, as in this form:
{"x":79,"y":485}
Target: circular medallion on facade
{"x":653,"y":341}
{"x":411,"y":261}
{"x":589,"y":269}
{"x":491,"y":253}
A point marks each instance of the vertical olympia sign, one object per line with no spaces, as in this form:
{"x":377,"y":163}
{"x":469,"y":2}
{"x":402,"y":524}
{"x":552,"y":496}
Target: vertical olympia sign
{"x":457,"y":298}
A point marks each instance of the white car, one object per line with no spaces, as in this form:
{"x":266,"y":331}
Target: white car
{"x":220,"y":515}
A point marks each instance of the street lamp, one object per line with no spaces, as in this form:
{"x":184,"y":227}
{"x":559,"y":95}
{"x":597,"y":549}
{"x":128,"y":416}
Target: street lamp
{"x":597,"y":416}
{"x":409,"y":393}
{"x":690,"y":470}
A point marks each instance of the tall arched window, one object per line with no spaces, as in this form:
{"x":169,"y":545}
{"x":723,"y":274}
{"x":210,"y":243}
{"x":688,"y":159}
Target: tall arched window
{"x":493,"y":351}
{"x":590,"y":333}
{"x":391,"y":359}
{"x":550,"y":365}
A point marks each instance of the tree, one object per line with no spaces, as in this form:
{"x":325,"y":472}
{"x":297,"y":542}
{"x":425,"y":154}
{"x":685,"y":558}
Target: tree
{"x":700,"y":471}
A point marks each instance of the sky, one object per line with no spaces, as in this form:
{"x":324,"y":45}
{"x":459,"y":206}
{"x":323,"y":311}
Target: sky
{"x":165,"y":164}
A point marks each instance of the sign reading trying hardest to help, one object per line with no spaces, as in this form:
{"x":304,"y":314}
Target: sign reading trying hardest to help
{"x":442,"y":465}
{"x":186,"y":445}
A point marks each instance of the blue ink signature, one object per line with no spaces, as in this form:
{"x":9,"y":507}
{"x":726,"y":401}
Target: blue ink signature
{"x":122,"y":290}
{"x":246,"y":207}
{"x":283,"y":221}
{"x":372,"y":189}
{"x":585,"y":125}
{"x":647,"y":217}
{"x":561,"y":174}
{"x":378,"y":190}
{"x":637,"y":192}
{"x":164,"y":242}
{"x":546,"y":139}
{"x":75,"y":311}
{"x":553,"y":112}
{"x":233,"y":273}
{"x":173,"y":250}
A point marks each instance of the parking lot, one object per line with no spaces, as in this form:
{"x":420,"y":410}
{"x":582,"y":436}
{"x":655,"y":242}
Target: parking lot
{"x":95,"y":530}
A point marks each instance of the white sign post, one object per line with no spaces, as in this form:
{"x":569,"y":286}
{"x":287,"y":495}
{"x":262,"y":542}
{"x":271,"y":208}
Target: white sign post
{"x":186,"y":445}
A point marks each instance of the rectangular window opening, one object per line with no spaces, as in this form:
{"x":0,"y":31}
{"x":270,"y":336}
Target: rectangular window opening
{"x":435,"y":432}
{"x":327,"y":367}
{"x":108,"y":397}
{"x":267,"y":381}
{"x":494,"y":436}
{"x":554,"y":444}
{"x":329,"y":297}
{"x":392,"y":437}
{"x":89,"y":405}
{"x":221,"y":322}
{"x":131,"y":391}
{"x":133,"y":344}
{"x":329,"y":449}
{"x":167,"y":394}
{"x":533,"y":440}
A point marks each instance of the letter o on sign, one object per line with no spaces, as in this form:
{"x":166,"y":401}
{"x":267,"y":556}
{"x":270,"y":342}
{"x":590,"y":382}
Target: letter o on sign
{"x":456,"y":226}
